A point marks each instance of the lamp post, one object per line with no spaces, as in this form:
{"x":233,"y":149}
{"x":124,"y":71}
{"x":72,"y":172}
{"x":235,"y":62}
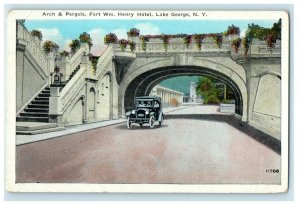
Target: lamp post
{"x":57,"y":76}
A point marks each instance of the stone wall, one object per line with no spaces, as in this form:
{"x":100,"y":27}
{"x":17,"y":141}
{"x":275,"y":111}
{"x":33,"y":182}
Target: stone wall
{"x":264,"y":87}
{"x":30,"y":78}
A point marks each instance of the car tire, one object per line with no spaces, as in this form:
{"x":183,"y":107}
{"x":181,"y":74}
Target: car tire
{"x":151,"y":122}
{"x":128,"y":123}
{"x":161,"y":120}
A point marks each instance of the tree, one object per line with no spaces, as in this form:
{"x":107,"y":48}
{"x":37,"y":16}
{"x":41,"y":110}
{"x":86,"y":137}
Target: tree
{"x":213,"y":91}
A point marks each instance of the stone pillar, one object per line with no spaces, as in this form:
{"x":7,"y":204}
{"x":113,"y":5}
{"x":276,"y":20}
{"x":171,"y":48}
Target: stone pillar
{"x":63,"y":65}
{"x":55,"y":114}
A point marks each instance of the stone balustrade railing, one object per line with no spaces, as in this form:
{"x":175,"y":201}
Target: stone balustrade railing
{"x":104,"y":59}
{"x":68,"y":65}
{"x":177,"y":45}
{"x":72,"y":88}
{"x":34,"y":48}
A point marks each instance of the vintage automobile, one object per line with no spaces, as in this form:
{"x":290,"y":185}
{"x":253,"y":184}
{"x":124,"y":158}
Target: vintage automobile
{"x":147,"y":110}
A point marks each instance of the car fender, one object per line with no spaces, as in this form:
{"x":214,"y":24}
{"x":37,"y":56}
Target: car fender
{"x":160,"y":116}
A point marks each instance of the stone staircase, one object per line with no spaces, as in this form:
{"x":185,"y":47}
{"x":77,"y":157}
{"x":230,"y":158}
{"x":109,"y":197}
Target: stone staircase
{"x":38,"y":109}
{"x":34,"y":119}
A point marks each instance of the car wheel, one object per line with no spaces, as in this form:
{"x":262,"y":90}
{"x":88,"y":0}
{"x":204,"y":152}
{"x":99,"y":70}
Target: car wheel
{"x":151,"y":122}
{"x":161,"y":120}
{"x":128,"y":123}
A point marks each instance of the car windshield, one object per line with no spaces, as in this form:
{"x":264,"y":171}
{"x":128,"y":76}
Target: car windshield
{"x":144,"y":103}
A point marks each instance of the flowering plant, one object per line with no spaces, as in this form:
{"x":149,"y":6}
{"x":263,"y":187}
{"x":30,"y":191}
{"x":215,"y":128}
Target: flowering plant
{"x":271,"y":41}
{"x":37,"y":33}
{"x":236,"y":43}
{"x":232,"y":30}
{"x":86,"y":38}
{"x":165,"y":38}
{"x":131,"y":45}
{"x":187,"y":40}
{"x":144,"y":40}
{"x":133,"y":32}
{"x":49,"y":46}
{"x":218,"y":38}
{"x":110,"y":38}
{"x":199,"y":39}
{"x":123,"y":44}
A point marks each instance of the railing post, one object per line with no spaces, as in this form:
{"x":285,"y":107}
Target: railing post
{"x":63,"y":65}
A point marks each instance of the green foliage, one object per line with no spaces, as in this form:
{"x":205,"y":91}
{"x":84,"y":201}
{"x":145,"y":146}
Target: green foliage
{"x":94,"y":61}
{"x":270,"y":35}
{"x":74,"y":45}
{"x":212,"y":91}
{"x":86,"y":38}
{"x":37,"y":33}
{"x":133,"y":32}
{"x":49,"y":46}
{"x":64,"y":53}
{"x":110,"y":38}
{"x":232,"y":30}
{"x":236,"y":43}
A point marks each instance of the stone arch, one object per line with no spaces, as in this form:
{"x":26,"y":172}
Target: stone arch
{"x":165,"y":67}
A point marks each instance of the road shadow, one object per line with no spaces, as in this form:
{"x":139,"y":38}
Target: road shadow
{"x":137,"y":127}
{"x":256,"y":134}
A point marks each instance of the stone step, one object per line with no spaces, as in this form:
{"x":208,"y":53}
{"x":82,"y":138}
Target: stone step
{"x":44,"y":95}
{"x":46,"y":110}
{"x":35,"y":132}
{"x":42,"y":98}
{"x":31,"y":126}
{"x":43,"y":106}
{"x":33,"y":114}
{"x":32,"y":119}
{"x":40,"y":102}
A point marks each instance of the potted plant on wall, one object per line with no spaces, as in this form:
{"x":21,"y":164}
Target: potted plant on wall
{"x":165,"y":38}
{"x":235,"y":44}
{"x":199,"y":40}
{"x":37,"y":35}
{"x":132,"y":45}
{"x":218,"y":39}
{"x":123,"y":44}
{"x":187,"y":40}
{"x":86,"y":38}
{"x":133,"y":32}
{"x":50,"y":46}
{"x":144,"y":40}
{"x":110,"y":38}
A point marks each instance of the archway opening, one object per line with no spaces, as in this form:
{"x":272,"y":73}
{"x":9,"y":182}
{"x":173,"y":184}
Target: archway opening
{"x":144,"y":83}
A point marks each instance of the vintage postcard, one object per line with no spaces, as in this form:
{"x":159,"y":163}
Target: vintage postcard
{"x":147,"y":101}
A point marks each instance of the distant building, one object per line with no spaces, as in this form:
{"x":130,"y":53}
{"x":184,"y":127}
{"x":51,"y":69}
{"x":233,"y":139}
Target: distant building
{"x":168,"y":96}
{"x":193,"y":94}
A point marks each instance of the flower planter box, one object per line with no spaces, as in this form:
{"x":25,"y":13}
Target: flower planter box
{"x":227,"y":108}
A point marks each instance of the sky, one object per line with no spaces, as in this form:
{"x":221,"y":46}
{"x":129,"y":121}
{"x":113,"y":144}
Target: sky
{"x":63,"y":31}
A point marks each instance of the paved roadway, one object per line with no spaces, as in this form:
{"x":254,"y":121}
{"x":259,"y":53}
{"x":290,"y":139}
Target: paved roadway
{"x":202,"y":150}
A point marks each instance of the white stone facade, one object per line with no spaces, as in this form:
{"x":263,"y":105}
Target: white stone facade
{"x":168,"y":96}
